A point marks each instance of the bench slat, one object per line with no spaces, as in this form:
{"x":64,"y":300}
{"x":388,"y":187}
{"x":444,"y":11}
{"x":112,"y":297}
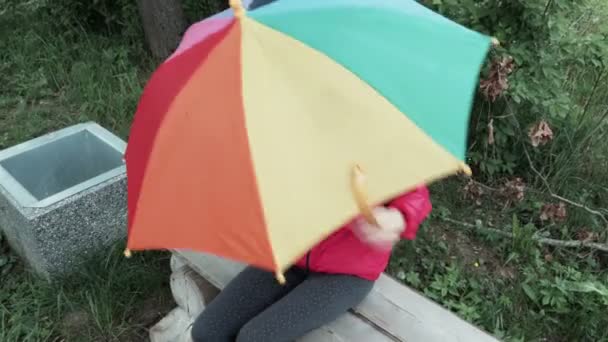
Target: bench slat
{"x":401,"y":313}
{"x":410,"y":316}
{"x":347,"y":328}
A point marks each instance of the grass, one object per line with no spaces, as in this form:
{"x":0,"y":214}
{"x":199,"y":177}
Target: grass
{"x":514,"y":288}
{"x":53,"y":75}
{"x":50,"y":79}
{"x":111,"y":299}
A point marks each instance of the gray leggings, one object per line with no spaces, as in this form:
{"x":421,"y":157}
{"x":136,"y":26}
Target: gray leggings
{"x":255,"y":308}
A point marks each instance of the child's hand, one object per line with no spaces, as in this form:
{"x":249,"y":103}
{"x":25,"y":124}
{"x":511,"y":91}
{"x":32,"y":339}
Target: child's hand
{"x":392,"y":224}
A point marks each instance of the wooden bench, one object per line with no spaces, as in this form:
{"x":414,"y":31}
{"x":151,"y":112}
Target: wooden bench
{"x":392,"y":312}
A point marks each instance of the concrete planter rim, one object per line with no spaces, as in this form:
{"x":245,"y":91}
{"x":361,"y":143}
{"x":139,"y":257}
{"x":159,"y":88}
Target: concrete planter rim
{"x":25,"y":199}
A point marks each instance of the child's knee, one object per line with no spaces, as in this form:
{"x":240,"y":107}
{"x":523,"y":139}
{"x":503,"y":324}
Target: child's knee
{"x":253,"y":332}
{"x":204,"y":331}
{"x":199,"y":333}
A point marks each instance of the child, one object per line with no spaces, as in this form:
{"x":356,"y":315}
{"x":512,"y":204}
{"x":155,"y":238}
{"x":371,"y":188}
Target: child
{"x":330,"y":279}
{"x":333,"y":277}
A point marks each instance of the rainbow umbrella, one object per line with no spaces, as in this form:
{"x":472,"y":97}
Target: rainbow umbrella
{"x":248,"y":142}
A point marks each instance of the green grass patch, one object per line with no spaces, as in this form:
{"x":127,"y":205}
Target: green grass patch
{"x":111,"y":299}
{"x":51,"y":78}
{"x":512,"y":287}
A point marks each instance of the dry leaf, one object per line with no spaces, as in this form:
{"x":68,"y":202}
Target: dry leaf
{"x":586,"y":236}
{"x":540,"y":133}
{"x":497,"y":81}
{"x":553,"y":212}
{"x":473,"y":191}
{"x":514,"y":190}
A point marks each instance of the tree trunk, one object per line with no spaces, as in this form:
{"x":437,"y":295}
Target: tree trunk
{"x":164,"y":23}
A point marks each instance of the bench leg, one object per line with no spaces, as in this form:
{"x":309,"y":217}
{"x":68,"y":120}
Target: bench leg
{"x":191,"y":292}
{"x":175,"y":327}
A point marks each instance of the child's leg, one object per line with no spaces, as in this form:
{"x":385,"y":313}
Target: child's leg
{"x":251,"y":292}
{"x":319,"y":300}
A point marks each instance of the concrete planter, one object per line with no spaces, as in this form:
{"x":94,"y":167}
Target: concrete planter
{"x":63,"y":197}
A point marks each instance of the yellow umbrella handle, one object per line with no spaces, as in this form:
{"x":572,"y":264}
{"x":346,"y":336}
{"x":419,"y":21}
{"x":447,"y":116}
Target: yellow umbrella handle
{"x":358,"y":188}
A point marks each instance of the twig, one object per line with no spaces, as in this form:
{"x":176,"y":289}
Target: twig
{"x":590,"y":97}
{"x":599,"y":125}
{"x":547,"y":6}
{"x":506,"y":116}
{"x":560,"y":198}
{"x":548,"y":186}
{"x":487,"y":187}
{"x":544,"y":241}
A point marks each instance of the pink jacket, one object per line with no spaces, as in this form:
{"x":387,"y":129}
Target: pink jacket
{"x":343,"y":253}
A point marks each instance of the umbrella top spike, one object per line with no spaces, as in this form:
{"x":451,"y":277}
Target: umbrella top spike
{"x":237,"y":7}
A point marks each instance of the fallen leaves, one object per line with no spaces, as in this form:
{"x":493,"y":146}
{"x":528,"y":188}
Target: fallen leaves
{"x":513,"y":190}
{"x":497,"y":81}
{"x":553,"y":212}
{"x":540,"y":133}
{"x":473,"y":191}
{"x":587,"y":236}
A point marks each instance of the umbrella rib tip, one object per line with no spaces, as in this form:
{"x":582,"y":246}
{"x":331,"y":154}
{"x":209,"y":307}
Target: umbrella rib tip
{"x":280,"y":277}
{"x":466,"y":169}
